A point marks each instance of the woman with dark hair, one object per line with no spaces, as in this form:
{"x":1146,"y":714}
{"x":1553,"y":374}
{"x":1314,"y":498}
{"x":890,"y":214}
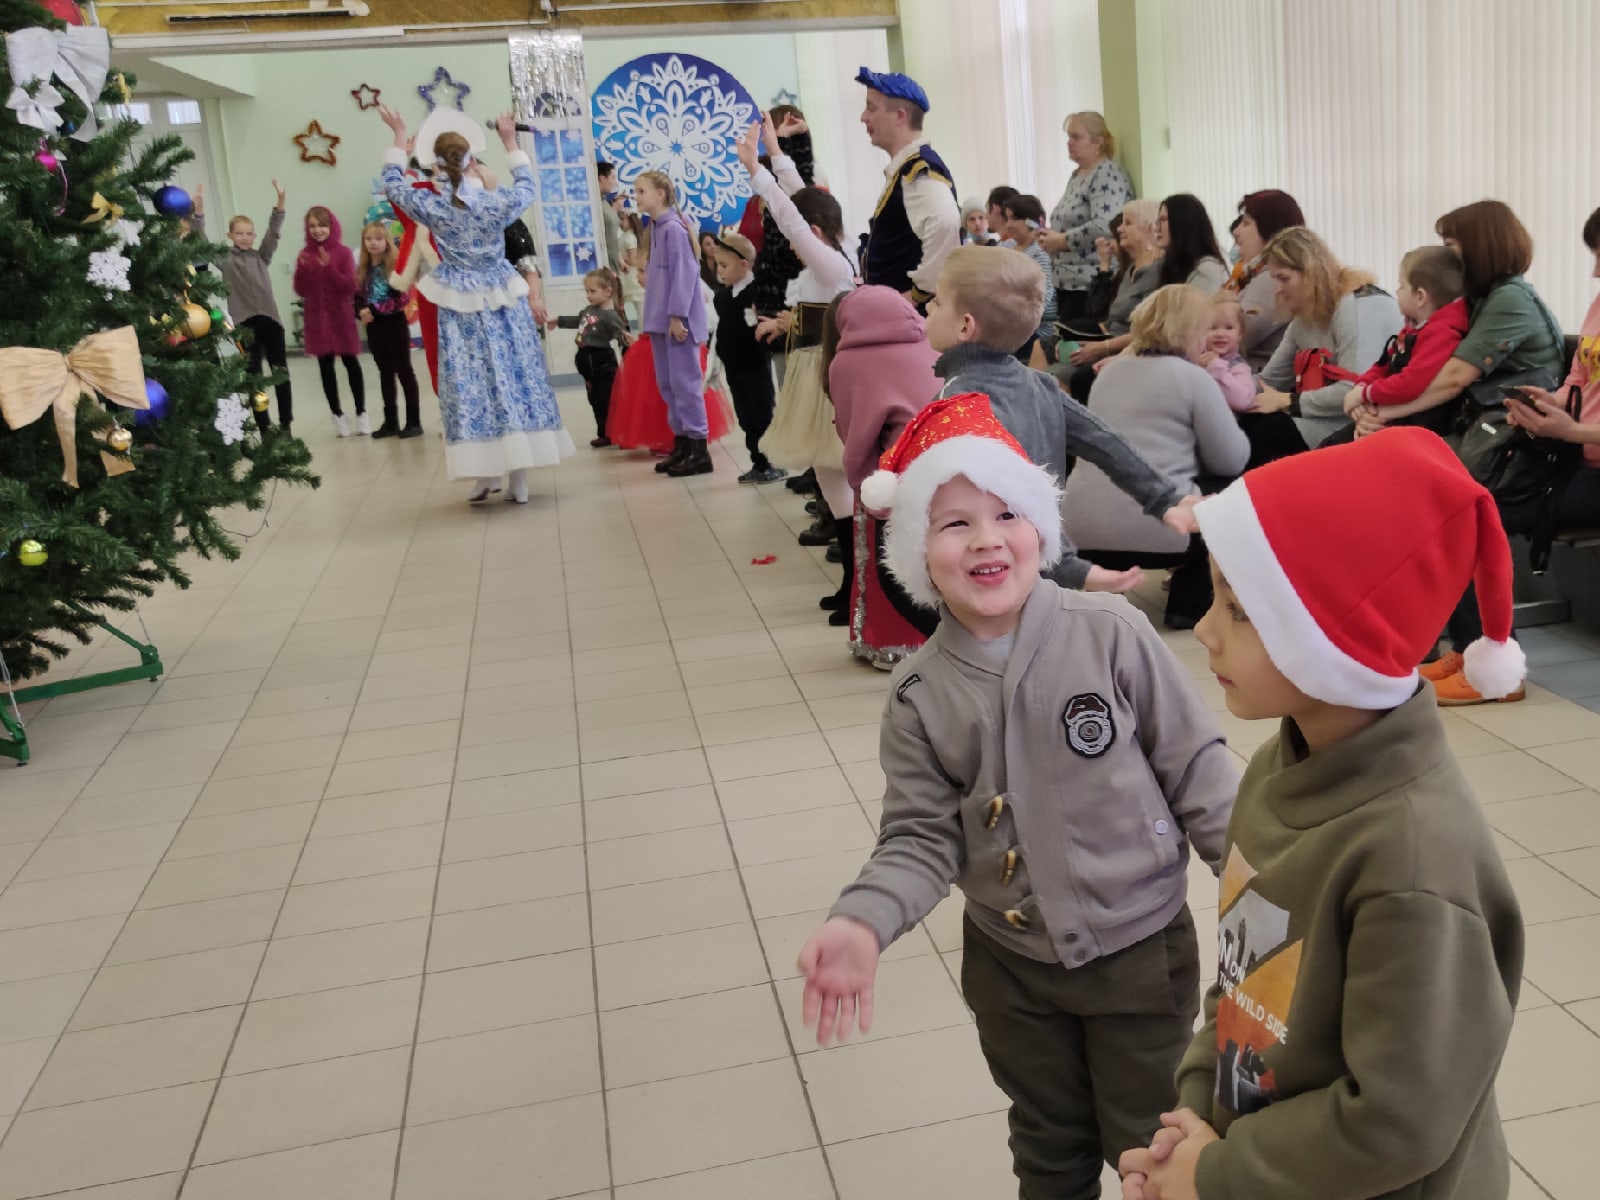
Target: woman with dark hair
{"x":1514,"y":339}
{"x":1189,"y":250}
{"x":1545,"y":416}
{"x":1262,"y":217}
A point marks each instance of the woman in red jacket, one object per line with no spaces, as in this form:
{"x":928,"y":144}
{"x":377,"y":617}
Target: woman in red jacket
{"x":325,"y":278}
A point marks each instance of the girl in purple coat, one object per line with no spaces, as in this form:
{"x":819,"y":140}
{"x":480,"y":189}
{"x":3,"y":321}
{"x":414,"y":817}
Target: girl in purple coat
{"x":675,"y":320}
{"x":325,"y":278}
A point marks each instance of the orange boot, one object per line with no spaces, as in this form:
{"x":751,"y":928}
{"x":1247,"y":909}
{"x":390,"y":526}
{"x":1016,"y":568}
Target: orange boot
{"x":1456,"y":692}
{"x":1442,"y":667}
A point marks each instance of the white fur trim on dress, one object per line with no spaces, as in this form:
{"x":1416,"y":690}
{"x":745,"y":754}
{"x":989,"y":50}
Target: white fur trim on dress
{"x":515,"y":291}
{"x":1295,"y":642}
{"x":1495,"y":669}
{"x":512,"y":452}
{"x":990,"y":464}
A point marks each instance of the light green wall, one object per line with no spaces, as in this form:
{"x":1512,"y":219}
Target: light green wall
{"x":1132,"y":54}
{"x":250,"y":135}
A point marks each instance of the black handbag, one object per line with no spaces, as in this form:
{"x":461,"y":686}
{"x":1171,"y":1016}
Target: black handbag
{"x":1517,"y":467}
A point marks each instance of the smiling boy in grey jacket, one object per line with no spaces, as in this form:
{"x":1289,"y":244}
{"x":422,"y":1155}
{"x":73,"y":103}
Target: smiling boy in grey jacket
{"x":1044,"y":753}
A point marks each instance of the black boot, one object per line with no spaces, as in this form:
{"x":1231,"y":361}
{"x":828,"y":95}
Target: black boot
{"x":805,"y":483}
{"x":839,"y":612}
{"x":414,"y":429}
{"x":696,"y":459}
{"x":680,"y":445}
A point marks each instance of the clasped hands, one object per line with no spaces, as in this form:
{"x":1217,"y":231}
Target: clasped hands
{"x":1166,"y":1170}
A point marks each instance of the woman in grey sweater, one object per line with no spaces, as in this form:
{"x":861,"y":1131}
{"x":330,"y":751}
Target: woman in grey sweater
{"x":1334,"y":308}
{"x":1173,"y":413}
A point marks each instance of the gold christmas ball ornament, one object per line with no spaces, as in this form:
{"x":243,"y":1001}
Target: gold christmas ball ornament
{"x":260,"y":402}
{"x":32,"y":553}
{"x":119,"y":440}
{"x":197,"y":319}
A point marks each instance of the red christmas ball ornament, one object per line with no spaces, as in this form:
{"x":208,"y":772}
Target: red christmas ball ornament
{"x":66,"y":10}
{"x":47,"y":160}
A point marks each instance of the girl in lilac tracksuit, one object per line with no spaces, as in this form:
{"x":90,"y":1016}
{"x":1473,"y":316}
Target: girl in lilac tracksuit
{"x":675,"y":321}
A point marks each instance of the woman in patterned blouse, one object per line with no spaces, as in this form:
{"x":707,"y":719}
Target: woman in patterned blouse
{"x":1095,"y":193}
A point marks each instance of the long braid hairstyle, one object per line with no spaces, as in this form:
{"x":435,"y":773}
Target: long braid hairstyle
{"x":453,"y":155}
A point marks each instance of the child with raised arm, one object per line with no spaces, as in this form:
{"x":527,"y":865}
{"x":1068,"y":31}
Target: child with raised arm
{"x":250,"y":300}
{"x":1044,"y":753}
{"x":1370,"y":945}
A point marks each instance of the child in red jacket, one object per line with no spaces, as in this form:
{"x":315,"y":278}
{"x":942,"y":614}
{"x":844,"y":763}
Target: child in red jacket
{"x":325,"y":278}
{"x":1431,"y":283}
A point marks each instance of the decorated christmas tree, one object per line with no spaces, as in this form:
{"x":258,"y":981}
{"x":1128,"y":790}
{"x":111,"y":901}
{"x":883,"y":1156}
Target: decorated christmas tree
{"x":127,"y":407}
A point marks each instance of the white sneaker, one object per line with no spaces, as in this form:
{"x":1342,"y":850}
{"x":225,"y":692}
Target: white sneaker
{"x":341,"y":426}
{"x":363,"y":426}
{"x":487,"y":485}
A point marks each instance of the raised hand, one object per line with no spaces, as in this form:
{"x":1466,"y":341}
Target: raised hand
{"x":769,"y":134}
{"x":506,"y":126}
{"x":747,"y":149}
{"x":840,"y":963}
{"x":278,"y":188}
{"x":792,"y":125}
{"x":392,"y":119}
{"x":199,"y":199}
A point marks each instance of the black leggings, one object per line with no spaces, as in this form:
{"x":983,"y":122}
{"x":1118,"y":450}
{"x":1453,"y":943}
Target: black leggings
{"x":753,"y":402}
{"x":389,"y":339}
{"x":330,"y":386}
{"x":598,"y":366}
{"x":267,"y":340}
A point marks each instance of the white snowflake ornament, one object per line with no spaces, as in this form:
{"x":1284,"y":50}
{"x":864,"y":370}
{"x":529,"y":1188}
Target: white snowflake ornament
{"x":108,"y":269}
{"x":231,"y":416}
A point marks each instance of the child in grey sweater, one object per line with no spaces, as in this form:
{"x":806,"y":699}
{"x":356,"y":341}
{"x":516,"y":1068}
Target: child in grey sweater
{"x":250,"y":300}
{"x":988,"y":303}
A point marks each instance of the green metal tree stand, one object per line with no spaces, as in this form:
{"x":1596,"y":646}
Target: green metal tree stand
{"x":15,"y":743}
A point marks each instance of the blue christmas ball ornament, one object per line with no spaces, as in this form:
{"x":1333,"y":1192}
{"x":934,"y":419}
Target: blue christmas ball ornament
{"x":159,"y":403}
{"x":173,"y":201}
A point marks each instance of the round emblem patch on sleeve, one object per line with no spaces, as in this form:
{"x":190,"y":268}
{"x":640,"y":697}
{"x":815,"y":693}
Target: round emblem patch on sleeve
{"x":1090,"y":729}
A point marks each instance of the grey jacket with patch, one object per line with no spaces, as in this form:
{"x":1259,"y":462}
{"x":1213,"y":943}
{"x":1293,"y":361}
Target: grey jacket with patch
{"x":1060,"y":792}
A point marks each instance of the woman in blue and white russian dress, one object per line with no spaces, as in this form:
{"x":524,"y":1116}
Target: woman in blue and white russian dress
{"x":498,"y":407}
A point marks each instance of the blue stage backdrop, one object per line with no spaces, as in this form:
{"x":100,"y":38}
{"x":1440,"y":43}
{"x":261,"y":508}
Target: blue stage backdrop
{"x":679,"y":114}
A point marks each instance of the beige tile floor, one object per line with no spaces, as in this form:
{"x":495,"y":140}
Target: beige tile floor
{"x":466,"y":853}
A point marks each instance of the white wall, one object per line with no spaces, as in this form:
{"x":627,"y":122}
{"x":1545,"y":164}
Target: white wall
{"x":1379,"y":116}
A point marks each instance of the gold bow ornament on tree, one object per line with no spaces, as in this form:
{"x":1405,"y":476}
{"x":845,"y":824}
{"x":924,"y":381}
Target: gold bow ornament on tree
{"x":33,"y":381}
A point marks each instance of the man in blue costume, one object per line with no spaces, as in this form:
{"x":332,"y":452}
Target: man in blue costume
{"x":918,"y":218}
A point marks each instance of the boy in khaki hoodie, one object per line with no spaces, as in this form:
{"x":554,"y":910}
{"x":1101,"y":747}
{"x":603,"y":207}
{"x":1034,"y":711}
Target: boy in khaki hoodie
{"x":1370,"y":945}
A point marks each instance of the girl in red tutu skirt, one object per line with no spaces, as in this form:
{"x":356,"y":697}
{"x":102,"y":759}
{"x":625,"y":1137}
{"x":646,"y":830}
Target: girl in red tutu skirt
{"x":638,"y":417}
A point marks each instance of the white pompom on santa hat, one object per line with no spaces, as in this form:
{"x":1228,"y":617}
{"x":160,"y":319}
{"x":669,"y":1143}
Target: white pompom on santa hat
{"x":956,"y":436}
{"x":1349,"y":560}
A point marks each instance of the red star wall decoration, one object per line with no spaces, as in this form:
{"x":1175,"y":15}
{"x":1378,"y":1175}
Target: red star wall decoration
{"x":366,"y":96}
{"x":316,"y":145}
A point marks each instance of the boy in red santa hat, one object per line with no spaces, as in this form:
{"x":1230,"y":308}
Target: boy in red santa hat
{"x":1370,"y":943}
{"x":1044,"y":752}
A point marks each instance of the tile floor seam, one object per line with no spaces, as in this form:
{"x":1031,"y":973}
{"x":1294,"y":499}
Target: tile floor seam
{"x":61,"y":1034}
{"x":772,"y":986}
{"x":439,"y":865}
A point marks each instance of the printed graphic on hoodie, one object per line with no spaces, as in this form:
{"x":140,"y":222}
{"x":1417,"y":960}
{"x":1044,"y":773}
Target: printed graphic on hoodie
{"x":1257,"y":970}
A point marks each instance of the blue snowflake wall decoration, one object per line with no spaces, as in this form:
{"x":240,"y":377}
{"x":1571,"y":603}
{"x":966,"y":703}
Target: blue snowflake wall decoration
{"x":679,"y":114}
{"x":431,"y":93}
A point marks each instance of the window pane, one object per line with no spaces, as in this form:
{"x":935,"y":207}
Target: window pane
{"x":183,"y":112}
{"x":580,"y":218}
{"x":578,"y":183}
{"x":584,"y":253}
{"x":137,"y":111}
{"x":549,"y":185}
{"x":545,"y":151}
{"x":560,"y":260}
{"x":572,"y":146}
{"x":555,"y":220}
